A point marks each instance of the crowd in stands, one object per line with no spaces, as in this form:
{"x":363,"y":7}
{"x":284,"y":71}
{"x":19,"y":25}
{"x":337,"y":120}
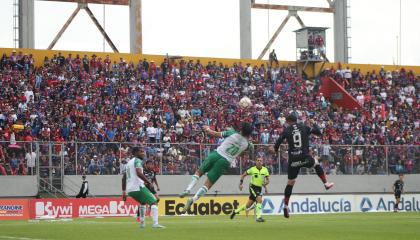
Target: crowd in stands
{"x":80,"y":98}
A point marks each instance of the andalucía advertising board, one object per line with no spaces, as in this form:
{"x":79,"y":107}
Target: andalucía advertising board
{"x":384,"y":203}
{"x":311,"y":204}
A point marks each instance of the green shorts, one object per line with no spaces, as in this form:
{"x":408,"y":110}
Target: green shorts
{"x":215,"y":166}
{"x":143,"y":196}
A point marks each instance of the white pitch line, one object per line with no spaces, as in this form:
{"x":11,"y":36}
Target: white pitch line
{"x":19,"y":238}
{"x":186,"y":222}
{"x":96,"y":222}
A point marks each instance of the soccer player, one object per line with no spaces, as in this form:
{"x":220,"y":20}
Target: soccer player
{"x":134,"y":182}
{"x":150,"y":174}
{"x":398,"y":189}
{"x":218,"y":161}
{"x":297,"y":136}
{"x":259,"y":178}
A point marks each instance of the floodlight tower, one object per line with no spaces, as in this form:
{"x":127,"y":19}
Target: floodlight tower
{"x":339,"y":8}
{"x":27,"y":18}
{"x":25,"y":27}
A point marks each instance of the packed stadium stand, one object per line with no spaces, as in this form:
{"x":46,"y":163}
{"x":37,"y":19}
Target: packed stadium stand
{"x":93,"y":108}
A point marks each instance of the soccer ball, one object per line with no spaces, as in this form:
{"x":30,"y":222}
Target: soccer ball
{"x":245,"y":102}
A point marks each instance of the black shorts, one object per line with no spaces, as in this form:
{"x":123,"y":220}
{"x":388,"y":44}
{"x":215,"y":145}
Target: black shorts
{"x":397,"y":194}
{"x":296,"y":163}
{"x":254,"y":192}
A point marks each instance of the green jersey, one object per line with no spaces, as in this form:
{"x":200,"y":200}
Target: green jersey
{"x":133,"y":181}
{"x":233,"y":145}
{"x":258,"y":175}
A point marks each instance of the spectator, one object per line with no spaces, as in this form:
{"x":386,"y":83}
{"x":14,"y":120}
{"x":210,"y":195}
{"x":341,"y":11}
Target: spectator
{"x":273,"y":58}
{"x":360,"y":169}
{"x":151,"y":132}
{"x":30,"y":158}
{"x":265,"y":137}
{"x":89,"y":99}
{"x":93,"y":168}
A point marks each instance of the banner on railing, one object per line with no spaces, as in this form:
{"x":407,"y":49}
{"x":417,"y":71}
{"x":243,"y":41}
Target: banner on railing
{"x":307,"y":204}
{"x":14,"y":209}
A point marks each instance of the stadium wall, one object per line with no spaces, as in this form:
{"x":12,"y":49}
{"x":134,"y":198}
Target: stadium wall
{"x":228,"y":185}
{"x":18,"y":186}
{"x":26,"y":186}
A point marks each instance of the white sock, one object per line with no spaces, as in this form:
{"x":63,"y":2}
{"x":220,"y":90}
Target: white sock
{"x":194,"y":181}
{"x":202,"y":191}
{"x":142,"y":213}
{"x":155,"y":214}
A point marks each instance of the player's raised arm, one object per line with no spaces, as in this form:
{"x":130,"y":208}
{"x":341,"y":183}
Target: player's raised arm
{"x":212,"y":132}
{"x":278,"y":142}
{"x":315,"y":128}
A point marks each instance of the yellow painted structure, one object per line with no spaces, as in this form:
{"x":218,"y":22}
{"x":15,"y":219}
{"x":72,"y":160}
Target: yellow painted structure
{"x":39,"y":56}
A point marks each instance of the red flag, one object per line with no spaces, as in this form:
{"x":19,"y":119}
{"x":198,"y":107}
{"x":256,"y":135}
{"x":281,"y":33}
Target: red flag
{"x":383,"y":112}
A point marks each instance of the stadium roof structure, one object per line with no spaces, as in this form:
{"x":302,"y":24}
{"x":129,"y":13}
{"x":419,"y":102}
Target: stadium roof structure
{"x":26,"y":22}
{"x":311,"y":28}
{"x":111,"y":2}
{"x":339,"y":8}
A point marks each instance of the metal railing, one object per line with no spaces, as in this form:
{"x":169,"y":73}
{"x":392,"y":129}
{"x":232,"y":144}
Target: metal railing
{"x":48,"y":190}
{"x":54,"y":160}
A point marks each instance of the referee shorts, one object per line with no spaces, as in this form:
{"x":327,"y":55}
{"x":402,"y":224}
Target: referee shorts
{"x":254,"y":192}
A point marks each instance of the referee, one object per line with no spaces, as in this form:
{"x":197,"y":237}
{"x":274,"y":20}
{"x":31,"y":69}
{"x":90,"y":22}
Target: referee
{"x":259,"y":178}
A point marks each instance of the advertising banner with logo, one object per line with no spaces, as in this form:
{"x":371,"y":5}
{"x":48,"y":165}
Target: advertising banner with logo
{"x":115,"y":207}
{"x":82,"y":207}
{"x":311,"y":204}
{"x":204,"y":206}
{"x":224,"y":205}
{"x":14,"y":209}
{"x":383,"y":203}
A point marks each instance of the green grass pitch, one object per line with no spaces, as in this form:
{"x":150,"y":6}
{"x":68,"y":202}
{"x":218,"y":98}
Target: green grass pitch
{"x":352,"y":226}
